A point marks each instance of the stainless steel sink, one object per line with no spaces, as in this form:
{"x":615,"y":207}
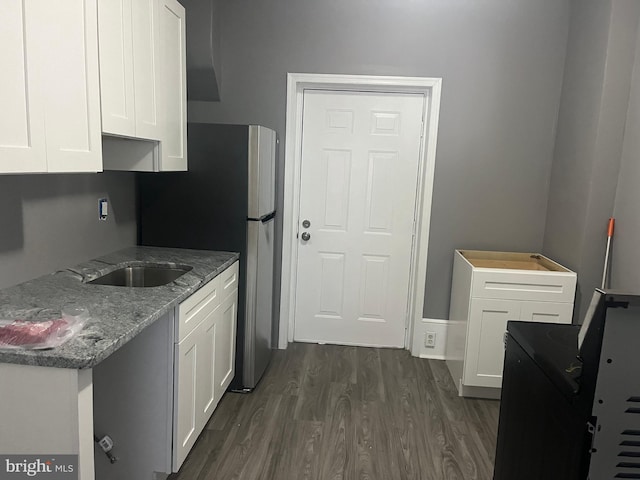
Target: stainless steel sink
{"x":142,"y":276}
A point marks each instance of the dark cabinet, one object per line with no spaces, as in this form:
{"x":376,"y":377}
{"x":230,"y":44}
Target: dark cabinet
{"x":541,"y":435}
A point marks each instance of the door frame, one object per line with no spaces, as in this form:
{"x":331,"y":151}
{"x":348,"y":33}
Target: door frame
{"x":297,"y":83}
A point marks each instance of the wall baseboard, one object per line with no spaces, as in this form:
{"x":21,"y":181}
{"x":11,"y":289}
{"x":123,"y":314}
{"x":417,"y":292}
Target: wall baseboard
{"x":430,"y":327}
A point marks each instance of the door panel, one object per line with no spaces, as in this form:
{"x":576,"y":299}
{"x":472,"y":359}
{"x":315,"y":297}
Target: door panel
{"x":225,"y":346}
{"x":360,"y":157}
{"x":22,"y":136}
{"x":485,"y":354}
{"x":172,"y":67}
{"x":206,"y":400}
{"x":185,"y":430}
{"x":116,"y":67}
{"x":336,"y":177}
{"x":146,"y":52}
{"x":262,"y":151}
{"x":259,"y":309}
{"x":267,"y":167}
{"x":70,"y":84}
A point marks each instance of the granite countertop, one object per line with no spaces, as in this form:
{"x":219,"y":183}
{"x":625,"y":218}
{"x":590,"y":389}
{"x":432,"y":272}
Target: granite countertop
{"x":117,"y":314}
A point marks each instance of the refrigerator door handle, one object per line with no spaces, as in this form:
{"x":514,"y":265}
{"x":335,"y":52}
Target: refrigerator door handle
{"x":264,"y":219}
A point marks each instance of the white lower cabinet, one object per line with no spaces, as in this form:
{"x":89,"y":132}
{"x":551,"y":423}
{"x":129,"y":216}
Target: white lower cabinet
{"x":204,"y":360}
{"x":488,"y":290}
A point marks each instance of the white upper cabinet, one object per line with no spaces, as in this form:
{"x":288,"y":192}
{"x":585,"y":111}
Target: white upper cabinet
{"x":129,"y":47}
{"x":173,"y":68}
{"x":22,"y":137}
{"x":116,"y":67}
{"x":49,"y":87}
{"x":146,"y":54}
{"x":143,"y":81}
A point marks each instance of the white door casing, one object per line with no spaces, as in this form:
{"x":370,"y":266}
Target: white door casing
{"x":297,"y":83}
{"x":360,"y":153}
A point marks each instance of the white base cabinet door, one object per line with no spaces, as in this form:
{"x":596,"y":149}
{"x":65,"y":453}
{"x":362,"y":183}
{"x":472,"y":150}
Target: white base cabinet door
{"x":225,"y":347}
{"x":484,"y":357}
{"x":485,"y":347}
{"x":185,"y":408}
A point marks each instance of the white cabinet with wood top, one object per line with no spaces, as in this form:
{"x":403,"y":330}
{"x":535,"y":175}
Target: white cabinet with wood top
{"x":143,"y":81}
{"x":204,"y":358}
{"x":49,"y":87}
{"x":488,"y":290}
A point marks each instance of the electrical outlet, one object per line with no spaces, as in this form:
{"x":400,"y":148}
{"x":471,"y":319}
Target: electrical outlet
{"x":103,"y":208}
{"x":430,"y":339}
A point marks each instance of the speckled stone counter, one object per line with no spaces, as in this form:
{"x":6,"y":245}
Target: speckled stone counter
{"x":117,"y":314}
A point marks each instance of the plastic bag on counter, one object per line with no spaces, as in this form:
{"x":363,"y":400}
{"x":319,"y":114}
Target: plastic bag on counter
{"x":42,"y":334}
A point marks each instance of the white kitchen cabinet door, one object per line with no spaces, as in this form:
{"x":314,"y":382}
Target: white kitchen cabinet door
{"x":547,"y":312}
{"x":22,"y":135}
{"x":68,"y":54}
{"x":146,"y":54}
{"x":173,"y":70}
{"x":225,"y":347}
{"x":206,"y":400}
{"x":185,"y":412}
{"x":129,"y":50}
{"x":116,"y":67}
{"x":485,"y":340}
{"x":50,"y":120}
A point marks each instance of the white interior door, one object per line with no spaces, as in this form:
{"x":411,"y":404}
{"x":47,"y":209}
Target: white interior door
{"x":360,"y":158}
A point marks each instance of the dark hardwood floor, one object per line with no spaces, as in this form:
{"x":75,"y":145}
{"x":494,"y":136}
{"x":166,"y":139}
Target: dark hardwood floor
{"x":326,"y":412}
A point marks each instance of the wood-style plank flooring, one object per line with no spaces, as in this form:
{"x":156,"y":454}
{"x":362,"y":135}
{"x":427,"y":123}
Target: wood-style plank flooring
{"x":326,"y":412}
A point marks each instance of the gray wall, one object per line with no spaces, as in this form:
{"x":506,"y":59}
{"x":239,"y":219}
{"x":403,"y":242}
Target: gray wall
{"x":591,"y":126}
{"x":625,"y":271}
{"x":51,"y":221}
{"x":501,"y":64}
{"x":203,"y":49}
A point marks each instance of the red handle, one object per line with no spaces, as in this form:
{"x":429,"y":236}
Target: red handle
{"x":612,"y":222}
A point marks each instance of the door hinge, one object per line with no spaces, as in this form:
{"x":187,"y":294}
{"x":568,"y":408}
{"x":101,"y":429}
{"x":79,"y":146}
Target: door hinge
{"x":422,"y":130}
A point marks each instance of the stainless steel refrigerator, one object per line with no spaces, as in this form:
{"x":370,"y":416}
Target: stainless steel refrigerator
{"x":226,"y":201}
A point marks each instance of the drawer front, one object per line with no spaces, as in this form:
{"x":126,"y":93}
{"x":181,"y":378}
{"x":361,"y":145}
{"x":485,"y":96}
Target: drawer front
{"x":546,"y":312}
{"x":229,"y":280}
{"x":196,"y":308}
{"x":524,"y":286}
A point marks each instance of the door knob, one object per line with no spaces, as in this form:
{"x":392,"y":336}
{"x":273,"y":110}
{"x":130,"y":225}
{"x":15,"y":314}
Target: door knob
{"x":306,"y":236}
